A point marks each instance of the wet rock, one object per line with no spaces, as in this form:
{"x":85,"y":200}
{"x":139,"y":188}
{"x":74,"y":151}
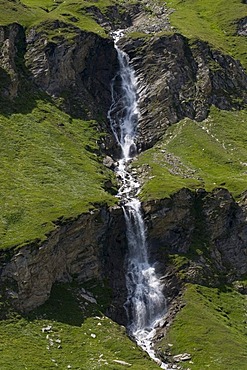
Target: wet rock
{"x":109,"y":162}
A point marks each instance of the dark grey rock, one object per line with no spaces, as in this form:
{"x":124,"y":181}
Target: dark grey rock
{"x":92,"y":246}
{"x":242,"y":27}
{"x":80,"y":71}
{"x":11,"y":45}
{"x":178,"y":79}
{"x":214,"y":222}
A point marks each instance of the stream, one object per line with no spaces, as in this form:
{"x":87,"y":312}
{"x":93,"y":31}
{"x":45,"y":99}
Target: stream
{"x":145,"y":305}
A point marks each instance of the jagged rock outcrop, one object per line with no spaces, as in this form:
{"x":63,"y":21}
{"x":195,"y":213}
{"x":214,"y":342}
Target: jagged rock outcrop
{"x":242,"y":27}
{"x":141,"y":16}
{"x":69,"y":64}
{"x":74,"y":65}
{"x":114,"y":17}
{"x":11,"y":51}
{"x":179,"y":78}
{"x":91,"y":247}
{"x":209,"y":229}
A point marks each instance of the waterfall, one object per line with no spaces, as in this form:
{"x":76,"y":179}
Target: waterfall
{"x":145,"y":304}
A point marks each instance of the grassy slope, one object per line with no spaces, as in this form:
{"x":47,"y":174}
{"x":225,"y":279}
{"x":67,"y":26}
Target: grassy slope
{"x":48,"y":170}
{"x":212,"y":328}
{"x":69,"y":343}
{"x":207,"y":154}
{"x":33,"y":12}
{"x":214,"y":21}
{"x":212,"y":324}
{"x":211,"y":153}
{"x":56,"y":179}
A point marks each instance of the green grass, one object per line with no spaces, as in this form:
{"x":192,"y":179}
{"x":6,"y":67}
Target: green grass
{"x":11,"y":12}
{"x":213,"y":21}
{"x":208,"y":154}
{"x":209,"y":20}
{"x":33,"y":12}
{"x":49,"y":169}
{"x":212,"y":328}
{"x":71,"y":340}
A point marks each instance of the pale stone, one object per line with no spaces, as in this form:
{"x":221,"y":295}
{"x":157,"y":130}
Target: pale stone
{"x":122,"y":363}
{"x":46,"y":328}
{"x":182,"y":357}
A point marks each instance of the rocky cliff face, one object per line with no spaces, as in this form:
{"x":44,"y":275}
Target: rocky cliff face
{"x":179,"y":78}
{"x":61,"y":60}
{"x":91,"y":247}
{"x":11,"y":41}
{"x":115,"y":17}
{"x":77,"y":67}
{"x":208,"y":229}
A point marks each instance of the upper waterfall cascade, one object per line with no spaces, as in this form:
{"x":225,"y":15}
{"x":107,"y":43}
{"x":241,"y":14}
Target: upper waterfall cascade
{"x":145,"y":304}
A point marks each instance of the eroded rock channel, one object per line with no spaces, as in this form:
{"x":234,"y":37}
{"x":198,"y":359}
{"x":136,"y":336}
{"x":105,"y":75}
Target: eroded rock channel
{"x":176,"y":79}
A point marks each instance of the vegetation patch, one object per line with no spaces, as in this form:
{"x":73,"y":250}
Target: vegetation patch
{"x":30,"y":13}
{"x":206,"y":154}
{"x":69,"y":332}
{"x":213,"y":22}
{"x":50,"y":168}
{"x":211,"y":327}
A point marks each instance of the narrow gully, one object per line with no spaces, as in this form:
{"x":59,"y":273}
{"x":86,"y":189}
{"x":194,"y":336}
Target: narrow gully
{"x":145,"y":305}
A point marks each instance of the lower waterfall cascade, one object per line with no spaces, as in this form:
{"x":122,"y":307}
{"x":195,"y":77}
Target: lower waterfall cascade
{"x":145,"y":305}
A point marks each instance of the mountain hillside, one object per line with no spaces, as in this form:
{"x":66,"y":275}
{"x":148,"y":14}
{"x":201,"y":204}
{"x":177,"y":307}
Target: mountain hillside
{"x":63,"y":242}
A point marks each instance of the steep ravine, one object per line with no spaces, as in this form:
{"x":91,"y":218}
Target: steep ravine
{"x":94,"y":247}
{"x":207,"y":229}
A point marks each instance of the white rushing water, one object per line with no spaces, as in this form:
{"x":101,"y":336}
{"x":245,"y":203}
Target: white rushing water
{"x":146,"y":304}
